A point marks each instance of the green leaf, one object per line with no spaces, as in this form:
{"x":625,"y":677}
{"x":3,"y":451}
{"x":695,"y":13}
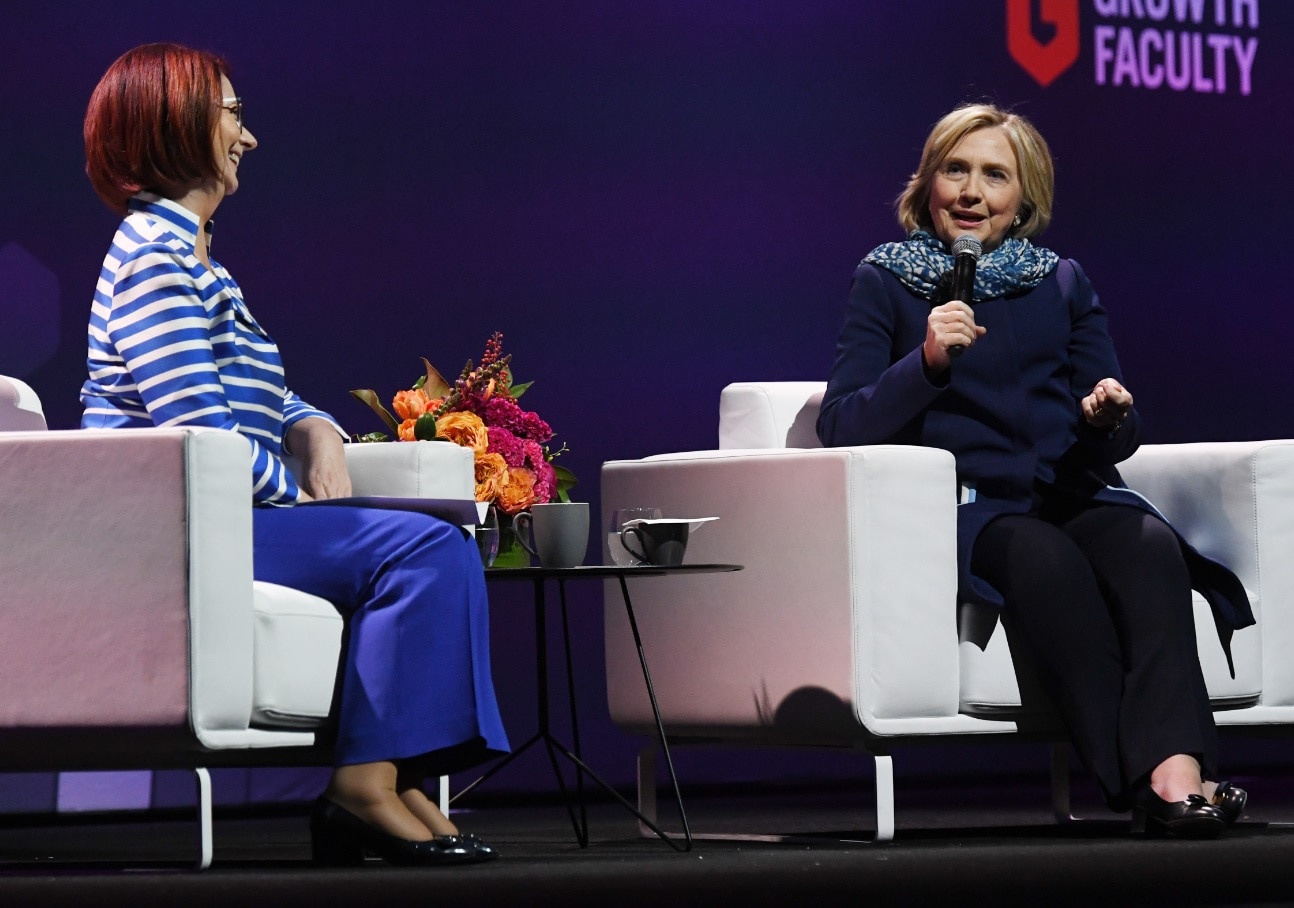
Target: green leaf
{"x":434,"y":383}
{"x":425,"y":428}
{"x":370,"y":438}
{"x":565,"y":480}
{"x":370,"y":397}
{"x":518,"y":390}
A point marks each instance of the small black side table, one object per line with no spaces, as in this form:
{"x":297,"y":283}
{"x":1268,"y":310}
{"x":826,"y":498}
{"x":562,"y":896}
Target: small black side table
{"x":538,"y":576}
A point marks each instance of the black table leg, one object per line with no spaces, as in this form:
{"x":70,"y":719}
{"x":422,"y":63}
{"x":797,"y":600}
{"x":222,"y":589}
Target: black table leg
{"x":555,"y":747}
{"x":544,"y":734}
{"x":575,"y":719}
{"x":660,"y":726}
{"x":541,"y":696}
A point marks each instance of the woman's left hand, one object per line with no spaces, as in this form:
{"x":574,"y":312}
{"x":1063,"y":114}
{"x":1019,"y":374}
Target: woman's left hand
{"x":323,"y":458}
{"x":1107,"y":405}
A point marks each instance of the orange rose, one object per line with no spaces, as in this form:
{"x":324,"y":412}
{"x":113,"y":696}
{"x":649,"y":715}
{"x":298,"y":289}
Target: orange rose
{"x":464,"y":429}
{"x":518,"y":490}
{"x":490,"y":472}
{"x":411,"y":404}
{"x":406,"y":430}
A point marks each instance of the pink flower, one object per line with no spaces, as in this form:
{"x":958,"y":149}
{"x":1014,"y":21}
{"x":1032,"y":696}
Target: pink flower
{"x":535,"y":427}
{"x":509,"y":446}
{"x":545,"y":482}
{"x":533,"y":452}
{"x":507,"y":413}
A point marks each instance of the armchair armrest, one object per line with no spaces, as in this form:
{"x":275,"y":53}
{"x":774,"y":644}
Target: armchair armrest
{"x":126,"y":568}
{"x":412,"y":469}
{"x":848,"y":595}
{"x":1234,"y":501}
{"x":20,"y":409}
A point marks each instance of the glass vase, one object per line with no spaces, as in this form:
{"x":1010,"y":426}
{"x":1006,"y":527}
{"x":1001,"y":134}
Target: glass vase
{"x":511,"y":552}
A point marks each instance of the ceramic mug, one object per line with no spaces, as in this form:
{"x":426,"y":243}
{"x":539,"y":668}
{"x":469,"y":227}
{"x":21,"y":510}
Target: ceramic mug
{"x":556,"y":533}
{"x":618,"y":554}
{"x":660,"y":542}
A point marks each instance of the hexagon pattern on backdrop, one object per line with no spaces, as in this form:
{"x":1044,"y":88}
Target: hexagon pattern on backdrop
{"x":29,"y":311}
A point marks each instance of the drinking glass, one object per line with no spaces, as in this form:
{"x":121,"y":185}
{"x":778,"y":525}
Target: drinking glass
{"x":619,"y":518}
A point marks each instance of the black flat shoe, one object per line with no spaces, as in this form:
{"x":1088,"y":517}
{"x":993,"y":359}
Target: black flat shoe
{"x":1230,"y":800}
{"x":484,"y":851}
{"x":1194,"y":818}
{"x":337,"y":836}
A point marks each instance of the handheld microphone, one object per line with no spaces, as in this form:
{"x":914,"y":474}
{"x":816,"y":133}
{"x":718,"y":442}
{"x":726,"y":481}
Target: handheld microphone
{"x":966,"y":252}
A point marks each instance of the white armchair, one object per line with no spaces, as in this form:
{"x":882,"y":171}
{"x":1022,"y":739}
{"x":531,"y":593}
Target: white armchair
{"x":132,"y":634}
{"x":844,"y":629}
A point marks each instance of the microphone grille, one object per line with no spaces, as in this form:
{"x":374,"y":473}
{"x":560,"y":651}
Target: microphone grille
{"x":967,"y":243}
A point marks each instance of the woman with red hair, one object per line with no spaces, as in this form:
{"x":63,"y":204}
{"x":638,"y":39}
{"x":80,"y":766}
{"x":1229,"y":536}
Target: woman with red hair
{"x":172,"y":343}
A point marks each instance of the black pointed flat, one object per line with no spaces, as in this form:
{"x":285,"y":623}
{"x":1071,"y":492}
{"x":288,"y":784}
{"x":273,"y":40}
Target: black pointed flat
{"x":337,"y":836}
{"x":1230,"y":800}
{"x":1194,"y":818}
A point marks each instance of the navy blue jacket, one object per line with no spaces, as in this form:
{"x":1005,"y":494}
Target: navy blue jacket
{"x":1009,"y":408}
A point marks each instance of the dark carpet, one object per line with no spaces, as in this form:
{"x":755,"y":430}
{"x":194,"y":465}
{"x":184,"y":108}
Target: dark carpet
{"x":992,"y":844}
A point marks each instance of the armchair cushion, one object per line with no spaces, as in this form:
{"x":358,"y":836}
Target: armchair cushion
{"x":296,"y":654}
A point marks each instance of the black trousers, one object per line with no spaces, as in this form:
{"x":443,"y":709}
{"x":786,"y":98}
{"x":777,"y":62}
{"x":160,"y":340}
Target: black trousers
{"x":1100,"y":599}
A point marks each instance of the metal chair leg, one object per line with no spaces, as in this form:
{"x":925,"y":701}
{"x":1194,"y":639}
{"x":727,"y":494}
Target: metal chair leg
{"x":204,"y":816}
{"x":1061,"y":804}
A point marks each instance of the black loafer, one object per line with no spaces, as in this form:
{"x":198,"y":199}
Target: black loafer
{"x":337,"y":836}
{"x":1194,"y":818}
{"x":1230,"y":800}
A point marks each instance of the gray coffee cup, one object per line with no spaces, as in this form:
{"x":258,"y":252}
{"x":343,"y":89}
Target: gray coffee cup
{"x":658,"y":542}
{"x":556,"y":533}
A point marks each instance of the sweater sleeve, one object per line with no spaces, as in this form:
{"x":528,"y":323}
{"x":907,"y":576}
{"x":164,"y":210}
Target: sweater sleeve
{"x":295,"y":409}
{"x":878,"y":383}
{"x":1092,"y":358}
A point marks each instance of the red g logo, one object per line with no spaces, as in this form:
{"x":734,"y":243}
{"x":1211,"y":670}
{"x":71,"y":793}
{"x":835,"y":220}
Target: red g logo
{"x":1043,"y":61}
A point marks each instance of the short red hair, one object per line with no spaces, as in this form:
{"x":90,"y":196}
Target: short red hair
{"x":151,"y":123}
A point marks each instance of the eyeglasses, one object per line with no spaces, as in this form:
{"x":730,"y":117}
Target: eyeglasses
{"x":235,"y":107}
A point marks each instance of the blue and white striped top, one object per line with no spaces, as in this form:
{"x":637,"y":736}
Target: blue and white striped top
{"x":173,"y":344}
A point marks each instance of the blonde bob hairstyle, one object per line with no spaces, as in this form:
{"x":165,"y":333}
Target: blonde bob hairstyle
{"x":1033,"y":159}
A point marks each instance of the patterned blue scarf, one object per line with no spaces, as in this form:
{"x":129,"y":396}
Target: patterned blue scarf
{"x":922,"y":259}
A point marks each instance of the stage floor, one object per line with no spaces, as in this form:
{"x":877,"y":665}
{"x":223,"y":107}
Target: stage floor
{"x":994,"y":841}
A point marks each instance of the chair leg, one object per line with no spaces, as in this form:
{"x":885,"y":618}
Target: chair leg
{"x":884,"y":798}
{"x":647,"y":802}
{"x":647,"y":787}
{"x":1061,"y":805}
{"x":204,"y":816}
{"x":444,"y":795}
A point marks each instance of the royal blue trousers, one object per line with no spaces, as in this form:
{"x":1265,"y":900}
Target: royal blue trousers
{"x":416,"y":681}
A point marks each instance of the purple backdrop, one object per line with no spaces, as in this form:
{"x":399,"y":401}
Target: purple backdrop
{"x":654,"y":199}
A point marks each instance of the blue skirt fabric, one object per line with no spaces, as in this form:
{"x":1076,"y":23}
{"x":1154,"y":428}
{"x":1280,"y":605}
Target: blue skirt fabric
{"x":416,"y":680}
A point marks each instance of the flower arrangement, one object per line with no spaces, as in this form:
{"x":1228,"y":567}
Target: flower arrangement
{"x":514,"y":462}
